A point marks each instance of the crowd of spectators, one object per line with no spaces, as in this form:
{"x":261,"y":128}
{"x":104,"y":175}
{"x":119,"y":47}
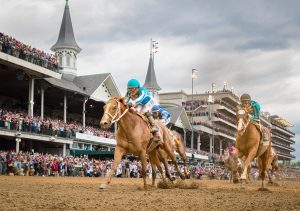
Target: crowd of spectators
{"x":16,"y":48}
{"x":215,"y":114}
{"x":196,"y":103}
{"x":39,"y":164}
{"x":20,"y":121}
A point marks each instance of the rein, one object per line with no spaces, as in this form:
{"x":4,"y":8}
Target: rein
{"x":118,"y":113}
{"x":245,"y":125}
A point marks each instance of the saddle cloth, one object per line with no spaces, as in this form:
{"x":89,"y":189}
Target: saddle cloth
{"x":263,"y":145}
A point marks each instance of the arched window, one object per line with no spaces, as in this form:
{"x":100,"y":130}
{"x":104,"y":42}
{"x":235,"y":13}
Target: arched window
{"x":60,"y":60}
{"x":68,"y":61}
{"x":74,"y":62}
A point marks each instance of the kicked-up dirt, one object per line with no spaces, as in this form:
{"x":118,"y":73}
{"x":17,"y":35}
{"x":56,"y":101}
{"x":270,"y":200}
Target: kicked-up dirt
{"x":82,"y":193}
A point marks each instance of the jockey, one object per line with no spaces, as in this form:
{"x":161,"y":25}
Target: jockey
{"x":141,"y":100}
{"x":253,"y":108}
{"x":160,"y":113}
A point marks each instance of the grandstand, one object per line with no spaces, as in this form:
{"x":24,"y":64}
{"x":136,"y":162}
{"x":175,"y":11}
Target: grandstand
{"x":214,"y":122}
{"x":45,"y":106}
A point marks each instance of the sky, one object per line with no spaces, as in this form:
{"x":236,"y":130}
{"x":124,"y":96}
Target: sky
{"x":252,"y":45}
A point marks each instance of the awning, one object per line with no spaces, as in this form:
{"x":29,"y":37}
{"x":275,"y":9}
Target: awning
{"x":282,"y":121}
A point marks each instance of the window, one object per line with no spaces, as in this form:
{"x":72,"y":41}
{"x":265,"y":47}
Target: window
{"x":60,"y":60}
{"x":68,"y":60}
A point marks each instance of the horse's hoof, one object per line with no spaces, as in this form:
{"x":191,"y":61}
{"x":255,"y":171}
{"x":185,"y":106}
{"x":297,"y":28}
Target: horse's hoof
{"x":235,"y":180}
{"x":263,"y":189}
{"x":103,"y":186}
{"x":182,"y":177}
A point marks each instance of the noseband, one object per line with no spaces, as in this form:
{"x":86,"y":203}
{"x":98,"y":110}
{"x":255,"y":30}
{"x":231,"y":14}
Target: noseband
{"x":245,"y":124}
{"x":118,"y":113}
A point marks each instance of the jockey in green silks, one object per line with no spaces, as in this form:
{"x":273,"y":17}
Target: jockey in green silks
{"x":253,"y":108}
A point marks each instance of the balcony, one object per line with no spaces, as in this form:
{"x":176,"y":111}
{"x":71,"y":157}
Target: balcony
{"x":285,"y":155}
{"x":283,"y":130}
{"x":205,"y":127}
{"x":276,"y":144}
{"x":290,"y":141}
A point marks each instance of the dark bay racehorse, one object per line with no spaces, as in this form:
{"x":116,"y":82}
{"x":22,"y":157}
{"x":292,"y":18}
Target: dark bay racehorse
{"x":133,"y":136}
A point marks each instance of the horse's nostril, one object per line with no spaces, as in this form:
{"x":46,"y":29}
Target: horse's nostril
{"x":104,"y":124}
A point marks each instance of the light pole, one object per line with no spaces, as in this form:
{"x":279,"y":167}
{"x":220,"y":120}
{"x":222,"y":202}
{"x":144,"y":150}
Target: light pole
{"x":194,"y":75}
{"x":212,"y":142}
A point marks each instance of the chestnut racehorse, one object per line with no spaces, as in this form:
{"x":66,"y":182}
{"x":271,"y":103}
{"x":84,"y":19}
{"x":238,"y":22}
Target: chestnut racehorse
{"x":272,"y":163}
{"x":133,"y":136}
{"x":178,"y":146}
{"x":248,"y":144}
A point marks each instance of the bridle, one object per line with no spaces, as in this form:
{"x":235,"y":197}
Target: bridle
{"x":245,"y":124}
{"x":118,"y":112}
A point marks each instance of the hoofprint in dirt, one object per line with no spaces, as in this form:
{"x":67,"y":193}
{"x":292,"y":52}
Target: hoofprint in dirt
{"x":79,"y":193}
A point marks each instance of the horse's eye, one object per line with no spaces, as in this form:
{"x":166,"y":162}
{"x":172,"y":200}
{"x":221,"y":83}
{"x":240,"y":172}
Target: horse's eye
{"x":114,"y":107}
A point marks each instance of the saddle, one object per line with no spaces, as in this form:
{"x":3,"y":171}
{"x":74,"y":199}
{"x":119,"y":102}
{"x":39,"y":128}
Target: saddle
{"x":152,"y":144}
{"x":145,"y":119}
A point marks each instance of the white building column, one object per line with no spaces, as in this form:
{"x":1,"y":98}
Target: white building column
{"x":91,"y":147}
{"x":198,"y":143}
{"x":210,"y":147}
{"x":184,"y":137}
{"x":64,"y":150}
{"x":31,"y":97}
{"x":18,"y":140}
{"x":84,"y":111}
{"x":42,"y":103}
{"x":221,"y":148}
{"x":65,"y":109}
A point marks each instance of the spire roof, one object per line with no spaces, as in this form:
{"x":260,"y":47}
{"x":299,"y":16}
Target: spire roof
{"x":66,"y":37}
{"x":150,"y":81}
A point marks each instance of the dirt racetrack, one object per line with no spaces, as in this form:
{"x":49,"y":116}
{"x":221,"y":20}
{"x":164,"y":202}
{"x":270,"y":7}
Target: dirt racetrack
{"x":81,"y":193}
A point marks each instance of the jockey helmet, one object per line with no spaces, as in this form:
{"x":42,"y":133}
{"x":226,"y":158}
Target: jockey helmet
{"x":133,"y":83}
{"x":245,"y":97}
{"x":155,"y":108}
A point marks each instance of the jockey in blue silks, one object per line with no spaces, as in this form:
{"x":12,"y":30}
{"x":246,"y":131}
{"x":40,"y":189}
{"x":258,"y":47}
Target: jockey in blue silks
{"x":253,"y":108}
{"x":160,"y":113}
{"x":141,"y":100}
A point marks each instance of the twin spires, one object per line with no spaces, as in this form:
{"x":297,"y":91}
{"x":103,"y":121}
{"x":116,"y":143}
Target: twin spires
{"x":66,"y":47}
{"x":66,"y":37}
{"x":151,"y":82}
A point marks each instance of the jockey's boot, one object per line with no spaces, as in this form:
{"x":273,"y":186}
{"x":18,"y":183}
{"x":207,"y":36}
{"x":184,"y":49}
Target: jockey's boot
{"x":154,"y":129}
{"x":264,"y":133}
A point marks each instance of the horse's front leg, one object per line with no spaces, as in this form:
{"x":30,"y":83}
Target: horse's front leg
{"x":183,"y":158}
{"x":119,"y":152}
{"x":247,"y":162}
{"x":144,"y":165}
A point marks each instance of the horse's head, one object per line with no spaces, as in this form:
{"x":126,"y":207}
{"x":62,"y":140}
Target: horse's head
{"x":243,"y":119}
{"x":113,"y":111}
